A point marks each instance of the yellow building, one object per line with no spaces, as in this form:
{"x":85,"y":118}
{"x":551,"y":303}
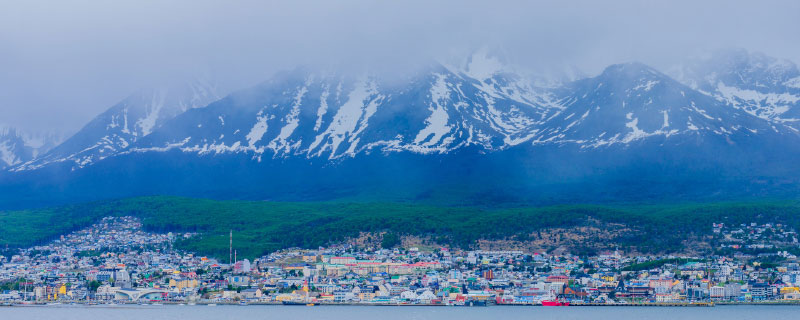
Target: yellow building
{"x":286,"y":297}
{"x":366,"y":296}
{"x":786,"y":290}
{"x":181,"y":284}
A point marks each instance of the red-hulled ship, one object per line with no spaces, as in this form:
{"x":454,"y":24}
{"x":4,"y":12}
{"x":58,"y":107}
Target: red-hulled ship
{"x":554,"y":303}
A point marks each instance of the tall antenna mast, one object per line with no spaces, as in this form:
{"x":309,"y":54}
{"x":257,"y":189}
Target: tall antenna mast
{"x":230,"y":249}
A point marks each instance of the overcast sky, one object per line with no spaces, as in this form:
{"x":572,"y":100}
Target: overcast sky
{"x":62,"y":62}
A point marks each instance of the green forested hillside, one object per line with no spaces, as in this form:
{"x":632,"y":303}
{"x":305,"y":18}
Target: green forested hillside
{"x":261,"y":227}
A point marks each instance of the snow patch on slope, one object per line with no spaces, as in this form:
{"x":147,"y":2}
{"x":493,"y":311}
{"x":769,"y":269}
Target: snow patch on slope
{"x":646,"y":86}
{"x":7,"y":154}
{"x":361,"y":103}
{"x":767,"y":106}
{"x":292,"y":122}
{"x":153,"y":110}
{"x":259,"y":129}
{"x":437,"y":121}
{"x":481,"y":66}
{"x":323,"y":108}
{"x":793,"y":83}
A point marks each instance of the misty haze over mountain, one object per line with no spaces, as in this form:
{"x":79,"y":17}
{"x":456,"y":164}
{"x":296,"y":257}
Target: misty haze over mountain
{"x":475,"y":103}
{"x":66,"y":62}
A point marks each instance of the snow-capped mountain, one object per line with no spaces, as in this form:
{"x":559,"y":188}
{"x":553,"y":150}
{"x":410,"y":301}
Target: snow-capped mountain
{"x":476,"y":131}
{"x":126,"y":122}
{"x":12,"y":148}
{"x":332,"y":116}
{"x":17,"y":147}
{"x":305,"y":115}
{"x":762,"y":86}
{"x":480,"y":103}
{"x":630,"y":103}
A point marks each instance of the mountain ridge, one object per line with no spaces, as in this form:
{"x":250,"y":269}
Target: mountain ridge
{"x":760,"y":85}
{"x":17,"y":146}
{"x":480,"y":132}
{"x":121,"y":125}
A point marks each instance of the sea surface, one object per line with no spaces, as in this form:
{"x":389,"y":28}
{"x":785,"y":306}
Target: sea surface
{"x":200,"y":312}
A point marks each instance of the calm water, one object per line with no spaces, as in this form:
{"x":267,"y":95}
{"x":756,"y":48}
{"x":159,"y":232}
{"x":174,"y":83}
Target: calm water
{"x":389,"y":313}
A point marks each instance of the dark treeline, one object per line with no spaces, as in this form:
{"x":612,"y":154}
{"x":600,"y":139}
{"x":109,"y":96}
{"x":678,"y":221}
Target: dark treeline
{"x":262,"y":227}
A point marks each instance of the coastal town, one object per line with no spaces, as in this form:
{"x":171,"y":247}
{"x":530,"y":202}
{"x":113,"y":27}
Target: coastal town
{"x":116,"y":262}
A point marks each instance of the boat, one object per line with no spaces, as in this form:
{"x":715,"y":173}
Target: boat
{"x":554,"y":303}
{"x":295,"y":303}
{"x":212,"y":304}
{"x":472,"y":303}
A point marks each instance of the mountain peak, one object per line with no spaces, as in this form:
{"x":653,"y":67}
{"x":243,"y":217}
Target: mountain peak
{"x":17,"y":146}
{"x":763,"y":86}
{"x":483,"y":64}
{"x":739,"y":58}
{"x":136,"y":116}
{"x":630,"y":70}
{"x":737,"y":67}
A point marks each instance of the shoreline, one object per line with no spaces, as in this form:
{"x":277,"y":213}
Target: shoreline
{"x":575,"y":304}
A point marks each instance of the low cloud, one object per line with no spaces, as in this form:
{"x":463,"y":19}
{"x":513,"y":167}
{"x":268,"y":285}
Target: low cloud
{"x":66,"y":61}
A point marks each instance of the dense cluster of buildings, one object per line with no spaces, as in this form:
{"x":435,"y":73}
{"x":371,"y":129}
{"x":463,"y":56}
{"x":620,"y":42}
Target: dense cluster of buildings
{"x":115,"y":261}
{"x":756,"y":236}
